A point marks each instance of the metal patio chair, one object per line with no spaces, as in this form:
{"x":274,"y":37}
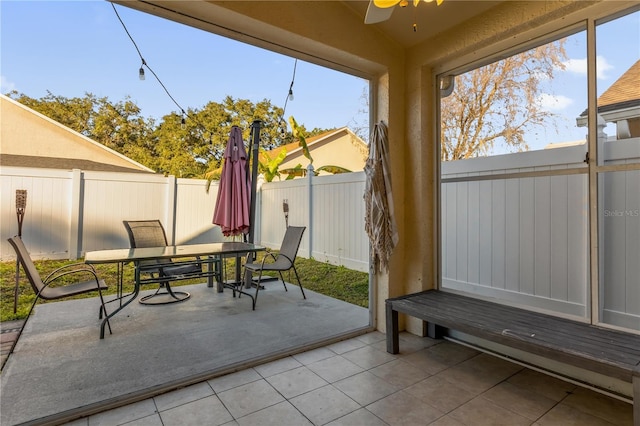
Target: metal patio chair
{"x":284,"y":261}
{"x":150,"y":233}
{"x":49,"y":290}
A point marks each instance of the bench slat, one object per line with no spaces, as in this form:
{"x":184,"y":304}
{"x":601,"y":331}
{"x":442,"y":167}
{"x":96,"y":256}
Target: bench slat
{"x":610,"y":352}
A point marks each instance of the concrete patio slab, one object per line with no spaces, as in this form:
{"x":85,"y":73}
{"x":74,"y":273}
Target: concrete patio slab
{"x":60,"y":369}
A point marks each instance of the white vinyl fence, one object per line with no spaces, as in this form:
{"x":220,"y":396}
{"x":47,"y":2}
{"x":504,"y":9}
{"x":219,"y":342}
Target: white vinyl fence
{"x":510,"y":232}
{"x":515,"y":237}
{"x":71,"y":212}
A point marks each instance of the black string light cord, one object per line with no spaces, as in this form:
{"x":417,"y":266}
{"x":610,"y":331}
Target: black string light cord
{"x":289,"y":95}
{"x":145,"y":65}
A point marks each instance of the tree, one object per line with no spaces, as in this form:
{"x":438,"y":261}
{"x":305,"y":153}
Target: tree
{"x":119,"y":126}
{"x":498,"y":103}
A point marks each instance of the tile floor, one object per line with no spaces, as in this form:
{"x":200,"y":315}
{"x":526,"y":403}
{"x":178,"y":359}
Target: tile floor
{"x":356,"y":382}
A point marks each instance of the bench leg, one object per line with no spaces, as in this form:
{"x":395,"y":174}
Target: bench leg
{"x":393,"y":344}
{"x":434,"y":331}
{"x":636,"y":397}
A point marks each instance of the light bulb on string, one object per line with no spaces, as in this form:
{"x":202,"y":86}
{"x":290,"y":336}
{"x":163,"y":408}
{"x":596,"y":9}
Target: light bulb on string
{"x":141,"y":74}
{"x":290,"y":94}
{"x":183,"y":123}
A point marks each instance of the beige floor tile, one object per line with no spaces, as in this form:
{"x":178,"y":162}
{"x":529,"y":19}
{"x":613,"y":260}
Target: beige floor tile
{"x":152,"y":420}
{"x":281,"y":414}
{"x":230,"y":381}
{"x":125,"y":414}
{"x":368,"y":357}
{"x":373,"y":337}
{"x":446,"y":421}
{"x":405,"y":409}
{"x":443,"y":395}
{"x":399,"y":373}
{"x":480,"y":412}
{"x":209,"y":411}
{"x":542,"y":384}
{"x":564,"y":415}
{"x":346,"y":345}
{"x":249,"y":398}
{"x":365,"y":388}
{"x":335,"y":368}
{"x":296,"y":382}
{"x":604,"y":407}
{"x":314,"y":355}
{"x":409,"y":343}
{"x":361,"y":417}
{"x":324,"y":405}
{"x":183,"y":396}
{"x":278,"y":366}
{"x":527,"y":403}
{"x":439,"y":357}
{"x":480,"y":373}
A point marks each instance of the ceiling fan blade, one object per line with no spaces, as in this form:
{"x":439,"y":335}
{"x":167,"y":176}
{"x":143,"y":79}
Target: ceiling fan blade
{"x":376,"y":14}
{"x":387,"y":3}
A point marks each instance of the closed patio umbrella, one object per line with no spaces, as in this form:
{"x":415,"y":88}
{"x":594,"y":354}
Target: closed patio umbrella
{"x":232,"y":211}
{"x":379,"y":218}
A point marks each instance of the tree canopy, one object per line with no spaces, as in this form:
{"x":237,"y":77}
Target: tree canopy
{"x":498,"y":103}
{"x":186,"y":145}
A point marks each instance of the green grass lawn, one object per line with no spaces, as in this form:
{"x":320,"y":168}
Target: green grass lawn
{"x":334,"y":281}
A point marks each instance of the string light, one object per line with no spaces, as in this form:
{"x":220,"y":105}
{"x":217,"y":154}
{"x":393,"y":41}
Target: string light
{"x":141,"y":75}
{"x":141,"y":72}
{"x":288,"y":98}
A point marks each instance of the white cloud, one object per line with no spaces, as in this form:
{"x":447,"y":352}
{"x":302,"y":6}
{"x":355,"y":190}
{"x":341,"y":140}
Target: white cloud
{"x":554,"y":102}
{"x":6,"y":85}
{"x":579,"y":66}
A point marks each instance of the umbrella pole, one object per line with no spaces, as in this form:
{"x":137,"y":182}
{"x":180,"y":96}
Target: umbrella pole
{"x":255,"y":146}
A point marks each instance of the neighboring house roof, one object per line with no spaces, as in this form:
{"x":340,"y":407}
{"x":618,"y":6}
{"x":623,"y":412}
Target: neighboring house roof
{"x":626,"y":89}
{"x":30,"y":139}
{"x":623,"y":94}
{"x":338,"y":147}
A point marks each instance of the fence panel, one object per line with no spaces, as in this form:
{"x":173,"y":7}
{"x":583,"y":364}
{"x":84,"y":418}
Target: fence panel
{"x":194,"y":212}
{"x":337,"y":231}
{"x":511,"y":237}
{"x":110,"y":198}
{"x":46,"y":226}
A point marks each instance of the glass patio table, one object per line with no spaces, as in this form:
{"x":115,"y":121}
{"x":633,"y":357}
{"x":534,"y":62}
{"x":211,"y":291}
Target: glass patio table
{"x":209,"y":252}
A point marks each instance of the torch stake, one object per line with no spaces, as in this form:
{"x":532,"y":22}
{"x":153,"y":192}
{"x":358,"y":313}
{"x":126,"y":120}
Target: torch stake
{"x":21,"y":205}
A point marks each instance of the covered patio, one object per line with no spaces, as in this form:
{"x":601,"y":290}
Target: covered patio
{"x":211,"y":360}
{"x":406,"y":69}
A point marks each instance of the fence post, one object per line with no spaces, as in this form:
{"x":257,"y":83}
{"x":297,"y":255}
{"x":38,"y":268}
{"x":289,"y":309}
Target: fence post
{"x":75,"y":218}
{"x":172,"y":187}
{"x":310,"y":175}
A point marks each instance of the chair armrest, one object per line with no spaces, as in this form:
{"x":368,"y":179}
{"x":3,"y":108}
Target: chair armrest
{"x":66,"y":270}
{"x":269,"y":254}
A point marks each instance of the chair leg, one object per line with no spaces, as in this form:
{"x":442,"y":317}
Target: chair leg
{"x":283,"y":282}
{"x":299,"y":283}
{"x":103,"y":309}
{"x":15,"y":342}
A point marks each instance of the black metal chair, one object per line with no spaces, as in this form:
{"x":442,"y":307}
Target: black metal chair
{"x":44,"y":288}
{"x":284,"y":261}
{"x":150,"y":233}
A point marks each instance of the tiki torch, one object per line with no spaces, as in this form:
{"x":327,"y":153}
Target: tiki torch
{"x":21,"y":205}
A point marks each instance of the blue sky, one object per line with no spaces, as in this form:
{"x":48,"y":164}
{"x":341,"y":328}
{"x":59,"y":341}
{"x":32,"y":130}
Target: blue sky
{"x":85,"y":49}
{"x":617,"y":47}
